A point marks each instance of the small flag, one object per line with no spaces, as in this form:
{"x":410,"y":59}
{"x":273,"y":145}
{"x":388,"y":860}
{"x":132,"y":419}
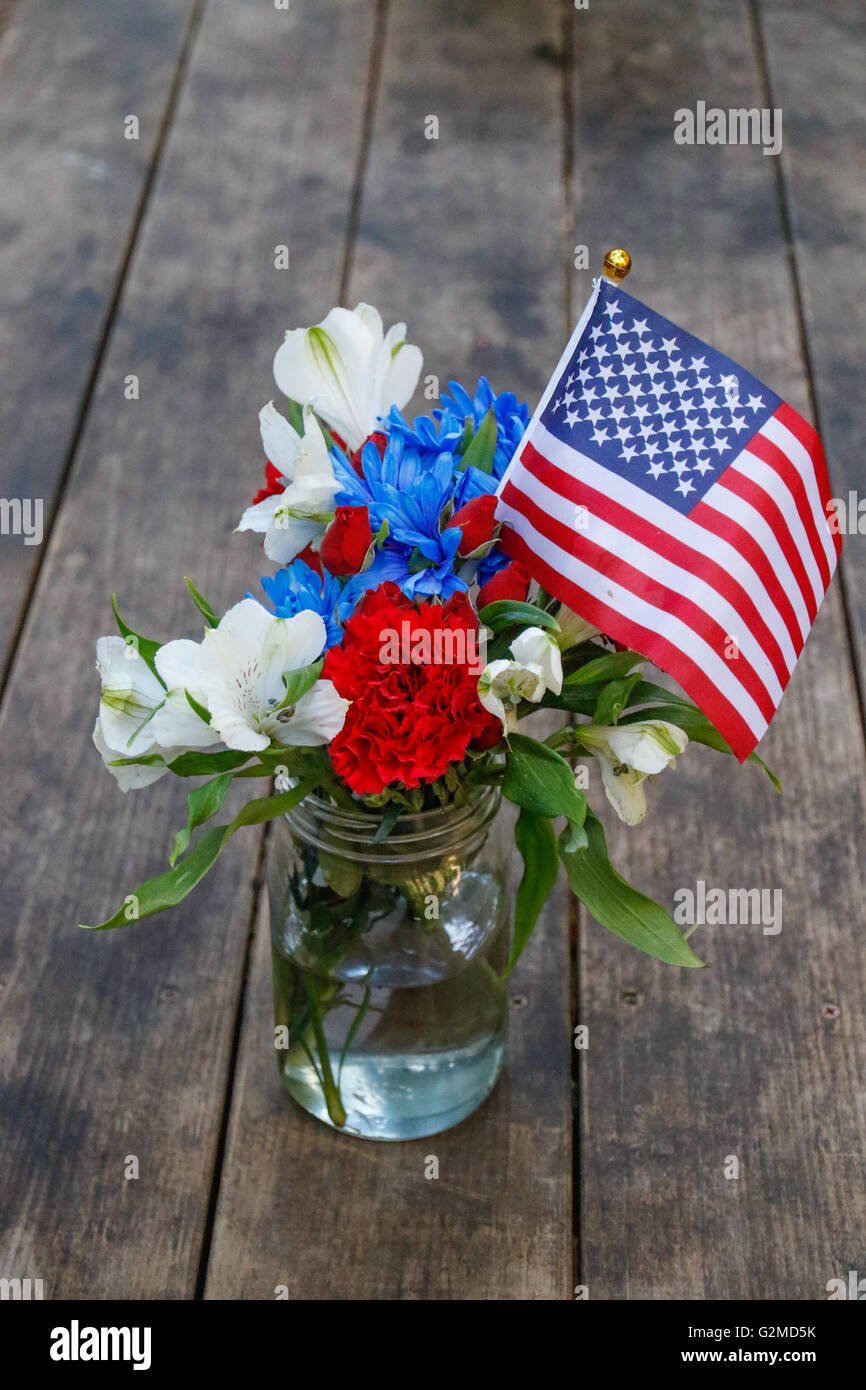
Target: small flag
{"x":672,"y":500}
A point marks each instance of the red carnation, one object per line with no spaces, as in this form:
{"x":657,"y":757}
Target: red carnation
{"x":347,"y":540}
{"x":476,"y":522}
{"x":275,"y":483}
{"x":377,"y":438}
{"x":412,"y":676}
{"x":512,"y":582}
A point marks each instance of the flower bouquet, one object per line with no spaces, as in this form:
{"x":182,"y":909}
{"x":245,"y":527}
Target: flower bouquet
{"x":381,"y":683}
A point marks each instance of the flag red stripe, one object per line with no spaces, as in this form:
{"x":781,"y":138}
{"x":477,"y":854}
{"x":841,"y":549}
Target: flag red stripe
{"x":717,"y":524}
{"x":770,"y":453}
{"x":763,"y":503}
{"x":664,"y":654}
{"x":810,"y":440}
{"x":647,"y":587}
{"x":677,"y":551}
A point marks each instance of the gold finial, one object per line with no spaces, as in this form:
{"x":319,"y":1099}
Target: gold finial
{"x":617,"y":264}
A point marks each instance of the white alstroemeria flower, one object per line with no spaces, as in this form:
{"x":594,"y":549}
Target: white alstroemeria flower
{"x":240,"y":668}
{"x":132,"y":777}
{"x":628,"y":753}
{"x":293,"y":518}
{"x":177,"y":722}
{"x":535,"y":647}
{"x":503,"y":684}
{"x":280,"y":440}
{"x":349,"y":370}
{"x":573,"y":629}
{"x":131,"y":695}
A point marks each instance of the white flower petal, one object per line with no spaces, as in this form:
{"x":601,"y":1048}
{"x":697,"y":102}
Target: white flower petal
{"x":318,"y":717}
{"x":649,"y":746}
{"x":281,"y":442}
{"x":536,"y":647}
{"x":625,"y":792}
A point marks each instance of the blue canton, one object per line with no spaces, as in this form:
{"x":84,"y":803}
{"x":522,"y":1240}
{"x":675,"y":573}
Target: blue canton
{"x":653,"y":403}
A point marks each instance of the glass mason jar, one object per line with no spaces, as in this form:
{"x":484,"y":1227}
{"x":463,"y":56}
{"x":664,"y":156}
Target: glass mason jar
{"x":388,"y":956}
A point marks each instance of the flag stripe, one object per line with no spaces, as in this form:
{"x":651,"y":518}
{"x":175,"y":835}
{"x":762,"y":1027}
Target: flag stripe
{"x":724,"y":513}
{"x":542,"y":561}
{"x":755,"y":471}
{"x":764,"y":448}
{"x":677,"y":619}
{"x":764,"y":507}
{"x":807,"y":436}
{"x":620,"y":531}
{"x":709,"y":554}
{"x":812,"y":468}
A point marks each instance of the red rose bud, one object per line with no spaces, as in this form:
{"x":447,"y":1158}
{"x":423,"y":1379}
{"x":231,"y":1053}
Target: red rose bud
{"x":347,"y":540}
{"x":377,"y":438}
{"x":512,"y":582}
{"x":476,"y":522}
{"x":275,"y":483}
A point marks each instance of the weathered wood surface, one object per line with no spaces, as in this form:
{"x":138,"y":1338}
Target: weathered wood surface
{"x":814,"y":59}
{"x":686,"y":1068}
{"x":452,"y":238}
{"x":120,"y":1044}
{"x":125,"y":1044}
{"x":72,"y":187}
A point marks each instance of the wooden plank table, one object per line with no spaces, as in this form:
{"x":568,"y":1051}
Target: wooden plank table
{"x":305,"y":127}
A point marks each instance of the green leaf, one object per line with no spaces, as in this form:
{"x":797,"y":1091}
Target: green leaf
{"x":538,"y":779}
{"x":613,"y":700}
{"x":201,"y":603}
{"x":619,"y":907}
{"x":480,"y":450}
{"x":202,"y":803}
{"x":203,"y":714}
{"x":204,"y":764}
{"x":536,"y":840}
{"x":146,"y":647}
{"x":295,"y":416}
{"x":506,"y":611}
{"x":172,"y":887}
{"x":699,"y":729}
{"x":387,"y":823}
{"x":298,"y":682}
{"x":611,"y":666}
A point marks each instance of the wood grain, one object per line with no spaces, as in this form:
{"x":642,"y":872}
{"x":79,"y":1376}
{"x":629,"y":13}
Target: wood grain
{"x":120,"y":1044}
{"x":72,"y":187}
{"x":455,"y":238}
{"x":814,"y":58}
{"x":687,"y":1068}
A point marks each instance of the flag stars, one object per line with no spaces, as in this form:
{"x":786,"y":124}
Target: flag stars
{"x":685,"y":486}
{"x":756,"y":403}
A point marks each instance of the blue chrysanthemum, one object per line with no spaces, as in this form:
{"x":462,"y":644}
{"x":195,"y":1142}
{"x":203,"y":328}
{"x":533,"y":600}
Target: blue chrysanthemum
{"x":298,"y":587}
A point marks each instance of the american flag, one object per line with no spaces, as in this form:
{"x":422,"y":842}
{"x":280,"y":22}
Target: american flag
{"x":672,"y":500}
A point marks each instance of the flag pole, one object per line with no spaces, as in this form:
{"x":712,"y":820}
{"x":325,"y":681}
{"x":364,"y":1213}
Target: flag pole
{"x":617,"y":264}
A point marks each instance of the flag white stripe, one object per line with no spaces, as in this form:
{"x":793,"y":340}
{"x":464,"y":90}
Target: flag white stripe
{"x":748,"y":465}
{"x":667,"y":519}
{"x":785,"y":440}
{"x":664,"y":571}
{"x":639,"y":610}
{"x":735,"y":508}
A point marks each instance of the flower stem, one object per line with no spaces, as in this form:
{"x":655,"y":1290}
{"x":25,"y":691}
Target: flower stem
{"x":330,"y":1088}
